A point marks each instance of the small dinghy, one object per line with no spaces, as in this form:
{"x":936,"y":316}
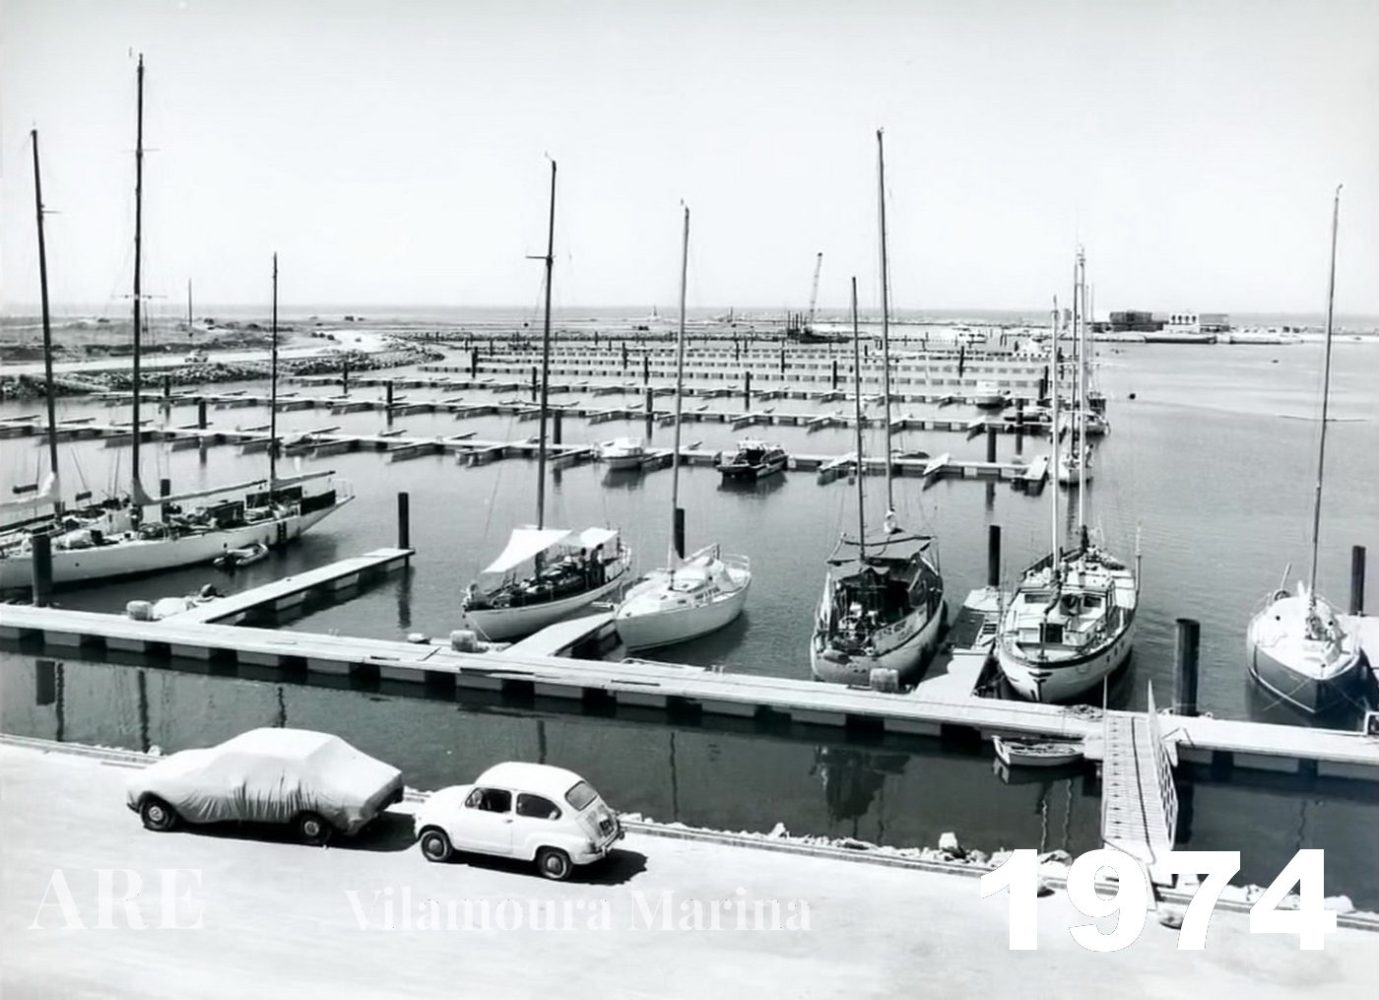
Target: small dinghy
{"x":1015,"y":751}
{"x":246,"y":555}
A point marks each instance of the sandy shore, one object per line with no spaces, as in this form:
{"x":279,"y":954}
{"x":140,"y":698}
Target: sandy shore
{"x":286,"y":920}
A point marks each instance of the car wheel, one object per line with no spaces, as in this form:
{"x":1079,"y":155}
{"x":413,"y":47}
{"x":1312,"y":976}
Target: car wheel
{"x":157,"y":814}
{"x":435,"y":845}
{"x":313,"y":829}
{"x":554,"y":864}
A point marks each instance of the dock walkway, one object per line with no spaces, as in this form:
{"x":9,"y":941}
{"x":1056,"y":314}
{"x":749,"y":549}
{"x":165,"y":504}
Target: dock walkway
{"x":1288,"y":749}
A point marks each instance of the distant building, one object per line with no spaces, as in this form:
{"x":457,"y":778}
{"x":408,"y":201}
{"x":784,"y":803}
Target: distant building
{"x":1132,"y":321}
{"x":1215,"y":322}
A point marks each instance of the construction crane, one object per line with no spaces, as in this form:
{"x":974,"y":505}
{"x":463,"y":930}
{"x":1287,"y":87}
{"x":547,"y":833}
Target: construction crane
{"x":814,"y":292}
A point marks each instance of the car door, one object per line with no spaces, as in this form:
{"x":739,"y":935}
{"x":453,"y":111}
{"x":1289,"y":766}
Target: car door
{"x":485,"y":822}
{"x":536,"y":820}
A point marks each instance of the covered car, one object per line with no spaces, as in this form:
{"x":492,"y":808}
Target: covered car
{"x":313,"y":781}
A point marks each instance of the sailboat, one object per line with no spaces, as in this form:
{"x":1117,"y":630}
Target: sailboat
{"x":1071,"y":620}
{"x":882,"y":605}
{"x":1298,"y":647}
{"x":692,"y":596}
{"x":544,"y":573}
{"x":118,"y":537}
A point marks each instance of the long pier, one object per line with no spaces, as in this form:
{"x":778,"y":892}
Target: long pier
{"x":670,"y":687}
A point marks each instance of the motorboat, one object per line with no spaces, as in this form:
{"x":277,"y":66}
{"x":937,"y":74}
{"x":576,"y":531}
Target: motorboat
{"x":753,"y":461}
{"x":988,"y":396}
{"x":623,"y":453}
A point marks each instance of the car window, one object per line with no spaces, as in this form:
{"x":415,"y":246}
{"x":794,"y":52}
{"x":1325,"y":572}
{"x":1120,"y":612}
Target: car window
{"x":581,"y":795}
{"x":535,"y":807}
{"x":495,"y":800}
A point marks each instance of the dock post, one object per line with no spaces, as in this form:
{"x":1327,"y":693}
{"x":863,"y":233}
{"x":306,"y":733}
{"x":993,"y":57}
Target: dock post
{"x":649,"y":397}
{"x":473,"y":362}
{"x":834,"y":385}
{"x":345,"y":378}
{"x":1185,"y":661}
{"x":1357,"y":579}
{"x":782,"y":359}
{"x":556,"y":430}
{"x":534,"y":373}
{"x":747,"y":391}
{"x":167,"y":391}
{"x":624,"y":356}
{"x":201,"y":413}
{"x":991,"y":444}
{"x":646,"y":367}
{"x":42,"y":565}
{"x":388,"y":389}
{"x":993,"y":555}
{"x":404,"y":520}
{"x":680,"y":532}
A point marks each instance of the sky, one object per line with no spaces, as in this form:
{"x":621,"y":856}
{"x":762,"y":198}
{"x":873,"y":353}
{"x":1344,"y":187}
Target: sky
{"x":398,"y":152}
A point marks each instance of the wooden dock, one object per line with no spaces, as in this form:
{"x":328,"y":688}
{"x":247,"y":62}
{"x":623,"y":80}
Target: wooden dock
{"x":660,"y":686}
{"x":292,"y":590}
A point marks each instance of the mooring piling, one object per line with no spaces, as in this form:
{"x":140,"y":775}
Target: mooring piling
{"x":404,"y":520}
{"x":1185,"y":662}
{"x":1357,"y":579}
{"x":42,"y":568}
{"x":993,"y":555}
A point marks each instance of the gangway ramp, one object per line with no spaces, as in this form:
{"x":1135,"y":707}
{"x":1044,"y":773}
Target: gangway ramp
{"x":1139,"y":803}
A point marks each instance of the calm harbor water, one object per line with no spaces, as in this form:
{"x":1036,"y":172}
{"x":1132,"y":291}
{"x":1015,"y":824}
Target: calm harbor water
{"x":1213,"y":459}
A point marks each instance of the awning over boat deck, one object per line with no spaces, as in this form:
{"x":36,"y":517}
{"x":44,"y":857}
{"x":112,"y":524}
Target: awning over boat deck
{"x":591,"y":538}
{"x":525,"y":544}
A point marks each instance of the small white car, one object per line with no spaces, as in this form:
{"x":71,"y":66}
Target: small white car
{"x":529,"y":811}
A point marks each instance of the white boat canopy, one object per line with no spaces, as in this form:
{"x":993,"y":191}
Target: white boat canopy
{"x":525,"y":544}
{"x":592,"y":538}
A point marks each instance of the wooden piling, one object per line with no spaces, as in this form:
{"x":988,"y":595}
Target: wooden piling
{"x":993,"y":555}
{"x":404,"y":520}
{"x":41,"y":561}
{"x":1185,"y":664}
{"x":1357,"y":579}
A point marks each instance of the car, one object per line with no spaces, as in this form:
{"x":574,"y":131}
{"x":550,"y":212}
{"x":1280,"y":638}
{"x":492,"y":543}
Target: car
{"x":314,"y":782}
{"x":533,"y":812}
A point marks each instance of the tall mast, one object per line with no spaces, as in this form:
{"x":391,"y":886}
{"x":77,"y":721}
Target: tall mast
{"x":137,"y":495}
{"x":545,"y":365}
{"x":47,"y":331}
{"x":1080,"y":332}
{"x":1313,"y":626}
{"x":857,"y":403}
{"x":1053,"y":393}
{"x":189,"y":306}
{"x":273,"y":390}
{"x":885,"y":314}
{"x":679,"y":403}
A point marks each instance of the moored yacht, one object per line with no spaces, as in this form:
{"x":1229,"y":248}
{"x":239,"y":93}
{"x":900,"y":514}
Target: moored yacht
{"x":623,"y":453}
{"x":1298,"y":647}
{"x":544,"y":574}
{"x":690,"y":597}
{"x":752,"y":461}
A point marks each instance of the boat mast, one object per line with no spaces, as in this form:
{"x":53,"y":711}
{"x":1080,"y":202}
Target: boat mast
{"x":545,"y":365}
{"x":1080,"y":331}
{"x":1053,"y":432}
{"x":47,"y":332}
{"x":137,"y":495}
{"x":857,"y":403}
{"x":679,"y":404}
{"x":189,"y":307}
{"x":273,"y":391}
{"x":1313,"y":625}
{"x":885,"y":316}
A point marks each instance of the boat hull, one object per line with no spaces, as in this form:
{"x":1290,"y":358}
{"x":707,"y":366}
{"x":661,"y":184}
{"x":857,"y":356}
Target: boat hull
{"x":906,"y":659}
{"x":1065,"y":679}
{"x":500,"y":624}
{"x":751,"y":473}
{"x":1272,"y":664}
{"x":76,"y":566}
{"x":672,"y":625}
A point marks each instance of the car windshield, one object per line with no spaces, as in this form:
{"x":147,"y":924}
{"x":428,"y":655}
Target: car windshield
{"x":581,"y":795}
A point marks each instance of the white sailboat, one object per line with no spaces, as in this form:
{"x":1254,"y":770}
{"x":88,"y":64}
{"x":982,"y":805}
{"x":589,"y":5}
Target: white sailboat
{"x":138,"y":534}
{"x":1071,"y":619}
{"x":1298,"y":647}
{"x":688,"y":597}
{"x":544,"y":574}
{"x":882,"y":605}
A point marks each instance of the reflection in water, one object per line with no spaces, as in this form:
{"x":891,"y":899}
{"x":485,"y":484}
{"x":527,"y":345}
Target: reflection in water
{"x":404,"y":599}
{"x":852,"y":779}
{"x":748,"y":489}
